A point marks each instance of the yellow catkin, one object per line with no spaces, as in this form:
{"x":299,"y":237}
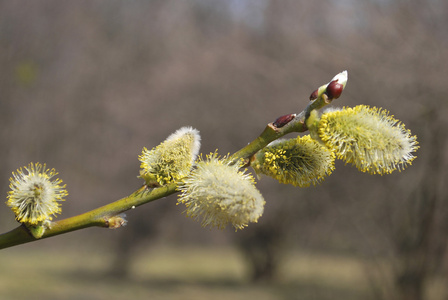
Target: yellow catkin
{"x":171,"y":160}
{"x":301,"y":161}
{"x":369,"y":138}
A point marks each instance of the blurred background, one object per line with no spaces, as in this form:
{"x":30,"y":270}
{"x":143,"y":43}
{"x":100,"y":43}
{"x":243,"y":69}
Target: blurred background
{"x":85,"y":85}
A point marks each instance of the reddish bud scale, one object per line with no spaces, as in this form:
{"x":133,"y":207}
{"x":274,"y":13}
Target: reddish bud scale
{"x":313,"y":95}
{"x":283,"y":120}
{"x":334,"y":89}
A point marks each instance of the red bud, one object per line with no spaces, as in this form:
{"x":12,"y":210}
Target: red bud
{"x":334,"y":89}
{"x":283,"y":120}
{"x":313,"y":95}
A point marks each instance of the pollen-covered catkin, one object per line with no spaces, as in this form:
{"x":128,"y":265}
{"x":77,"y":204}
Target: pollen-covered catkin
{"x":171,"y":160}
{"x":367,"y":137}
{"x":300,"y":161}
{"x":34,"y":196}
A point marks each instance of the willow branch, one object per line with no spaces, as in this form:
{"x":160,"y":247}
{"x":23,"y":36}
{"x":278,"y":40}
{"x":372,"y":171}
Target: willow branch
{"x":103,"y":216}
{"x":272,"y":132}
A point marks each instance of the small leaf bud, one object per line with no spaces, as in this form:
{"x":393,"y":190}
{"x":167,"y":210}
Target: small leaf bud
{"x":314,"y":95}
{"x":116,"y":221}
{"x":334,"y":89}
{"x":283,"y":120}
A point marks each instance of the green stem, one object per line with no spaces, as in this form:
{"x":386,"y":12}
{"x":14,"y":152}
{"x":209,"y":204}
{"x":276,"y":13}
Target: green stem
{"x":272,"y":133}
{"x":97,"y":217}
{"x":269,"y":134}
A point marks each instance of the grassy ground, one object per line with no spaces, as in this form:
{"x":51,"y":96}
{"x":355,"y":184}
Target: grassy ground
{"x":170,"y":273}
